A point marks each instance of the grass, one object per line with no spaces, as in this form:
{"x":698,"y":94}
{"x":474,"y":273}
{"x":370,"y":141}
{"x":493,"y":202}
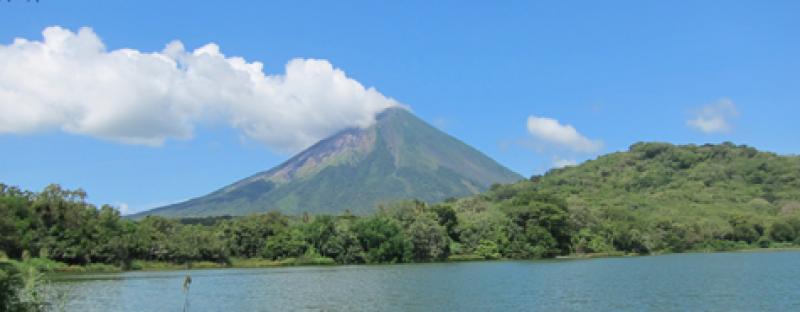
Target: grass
{"x":52,"y":266}
{"x":92,"y":268}
{"x":254,"y":263}
{"x":457,"y":258}
{"x":596,"y":255}
{"x":307,"y":261}
{"x":140,"y":265}
{"x":137,"y":265}
{"x":44,"y":265}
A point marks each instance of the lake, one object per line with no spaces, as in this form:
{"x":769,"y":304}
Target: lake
{"x":746,"y":281}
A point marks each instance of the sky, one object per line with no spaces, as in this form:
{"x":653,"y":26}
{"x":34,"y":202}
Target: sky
{"x":146,"y":103}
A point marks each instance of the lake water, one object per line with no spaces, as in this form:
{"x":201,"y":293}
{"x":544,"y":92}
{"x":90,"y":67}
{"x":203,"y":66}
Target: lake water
{"x":757,"y":281}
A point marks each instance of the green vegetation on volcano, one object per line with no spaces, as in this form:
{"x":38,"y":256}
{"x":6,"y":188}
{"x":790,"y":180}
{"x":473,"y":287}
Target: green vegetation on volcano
{"x":399,"y":157}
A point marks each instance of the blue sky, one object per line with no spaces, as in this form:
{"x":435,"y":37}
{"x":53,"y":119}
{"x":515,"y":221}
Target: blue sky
{"x":531,"y":85}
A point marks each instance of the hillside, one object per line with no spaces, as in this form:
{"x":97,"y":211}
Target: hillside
{"x":399,"y":157}
{"x":659,"y":196}
{"x":681,"y":180}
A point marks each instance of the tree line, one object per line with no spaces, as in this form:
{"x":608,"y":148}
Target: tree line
{"x":59,"y":224}
{"x":506,"y":222}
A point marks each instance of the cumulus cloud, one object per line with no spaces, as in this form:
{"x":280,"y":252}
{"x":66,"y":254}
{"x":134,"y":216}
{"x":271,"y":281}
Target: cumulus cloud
{"x":715,"y":117}
{"x":552,"y":131}
{"x":69,"y":81}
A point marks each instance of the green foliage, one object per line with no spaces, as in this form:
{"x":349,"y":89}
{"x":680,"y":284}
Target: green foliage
{"x":11,"y":284}
{"x":285,"y":244}
{"x":487,"y":249}
{"x":20,"y":288}
{"x":447,"y":217}
{"x":465,"y":258}
{"x":539,"y":225}
{"x":429,"y":239}
{"x":382,"y":240}
{"x":785,"y":230}
{"x":247,"y":237}
{"x":44,"y":265}
{"x":655,"y":198}
{"x":659,"y":197}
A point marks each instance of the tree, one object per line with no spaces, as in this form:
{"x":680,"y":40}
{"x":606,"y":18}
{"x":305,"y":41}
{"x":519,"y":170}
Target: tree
{"x":429,"y":239}
{"x":447,"y":217}
{"x":540,"y":226}
{"x":320,"y":233}
{"x":782,"y":231}
{"x":745,"y":229}
{"x":382,"y":240}
{"x":288,"y":243}
{"x":344,"y":247}
{"x":246,"y":237}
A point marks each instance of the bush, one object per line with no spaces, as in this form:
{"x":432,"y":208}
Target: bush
{"x":19,"y":288}
{"x":745,"y":233}
{"x":782,"y":231}
{"x":10,"y":286}
{"x":488,"y":250}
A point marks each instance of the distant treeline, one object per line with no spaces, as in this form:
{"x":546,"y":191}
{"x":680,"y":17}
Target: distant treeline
{"x":58,"y":224}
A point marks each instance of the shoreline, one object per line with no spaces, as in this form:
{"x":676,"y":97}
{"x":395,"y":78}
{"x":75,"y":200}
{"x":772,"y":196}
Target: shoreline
{"x":256,"y":263}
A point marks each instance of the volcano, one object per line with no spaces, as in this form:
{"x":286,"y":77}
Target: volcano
{"x":357,"y":169}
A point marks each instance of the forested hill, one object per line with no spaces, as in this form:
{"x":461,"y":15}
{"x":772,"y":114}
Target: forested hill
{"x":681,"y":179}
{"x":658,"y":192}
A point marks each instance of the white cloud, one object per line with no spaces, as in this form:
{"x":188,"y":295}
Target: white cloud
{"x":553,"y":132}
{"x":562,"y":162}
{"x":70,"y":82}
{"x":123,"y":208}
{"x":715,"y":117}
